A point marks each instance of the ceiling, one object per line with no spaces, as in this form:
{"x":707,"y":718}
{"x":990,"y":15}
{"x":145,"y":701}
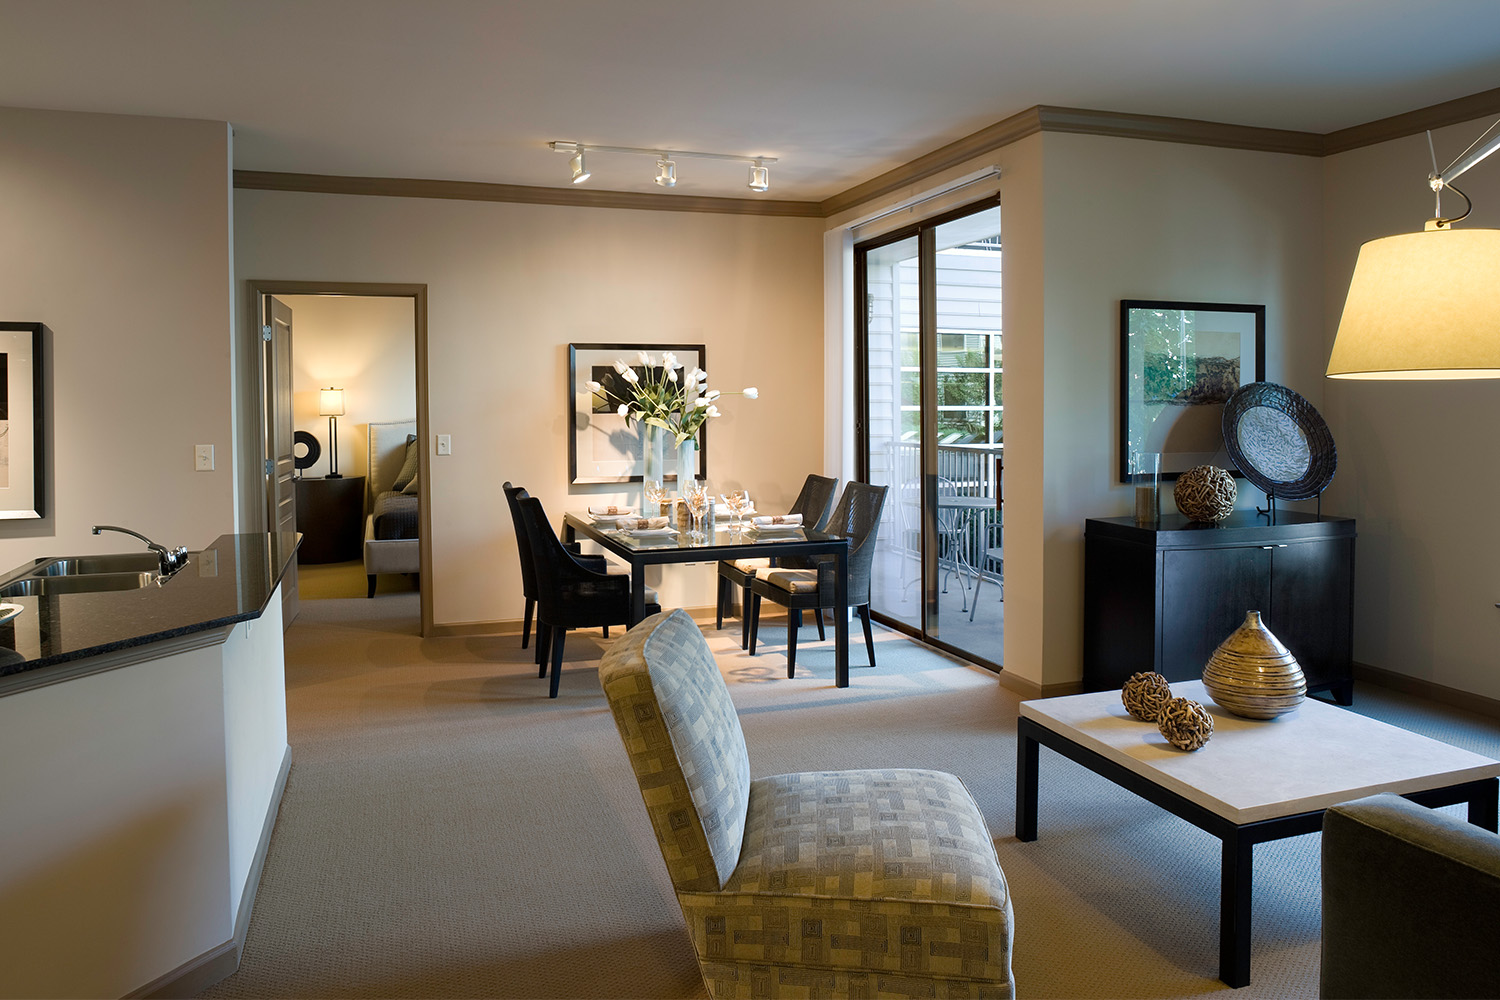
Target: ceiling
{"x":839,"y":90}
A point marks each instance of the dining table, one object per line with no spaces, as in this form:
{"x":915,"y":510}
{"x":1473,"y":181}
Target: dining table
{"x":721,"y":540}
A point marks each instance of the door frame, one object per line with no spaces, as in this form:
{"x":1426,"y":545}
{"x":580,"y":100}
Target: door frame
{"x":252,"y":498}
{"x":925,"y":230}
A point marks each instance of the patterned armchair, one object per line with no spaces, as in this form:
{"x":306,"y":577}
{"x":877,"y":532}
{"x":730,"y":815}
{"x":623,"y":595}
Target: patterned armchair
{"x":843,"y":883}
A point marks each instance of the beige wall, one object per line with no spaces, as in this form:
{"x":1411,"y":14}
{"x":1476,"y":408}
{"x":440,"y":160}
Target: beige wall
{"x":1087,"y":221}
{"x":509,"y":286}
{"x":366,"y":345}
{"x":115,"y":233}
{"x":1418,"y":461}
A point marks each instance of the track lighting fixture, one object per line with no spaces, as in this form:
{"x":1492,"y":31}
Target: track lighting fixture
{"x":580,"y":172}
{"x":666,"y":165}
{"x":666,"y":173}
{"x":760,"y":177}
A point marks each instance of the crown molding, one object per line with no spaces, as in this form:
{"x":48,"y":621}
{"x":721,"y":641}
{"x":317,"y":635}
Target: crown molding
{"x":1041,"y":118}
{"x":1463,"y":109}
{"x":408,"y":187}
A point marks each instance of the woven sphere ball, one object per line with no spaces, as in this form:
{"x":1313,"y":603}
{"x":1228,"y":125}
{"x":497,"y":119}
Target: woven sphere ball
{"x":1186,"y":724}
{"x":1144,"y":694}
{"x":1205,"y":493}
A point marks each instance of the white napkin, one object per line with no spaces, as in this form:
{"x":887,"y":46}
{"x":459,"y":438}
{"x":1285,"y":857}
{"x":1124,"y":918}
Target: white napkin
{"x":643,"y":523}
{"x":778,"y":521}
{"x":611,"y":511}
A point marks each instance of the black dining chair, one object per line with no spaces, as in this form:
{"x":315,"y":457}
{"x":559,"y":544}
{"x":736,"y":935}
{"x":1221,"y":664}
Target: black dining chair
{"x":528,"y":568}
{"x":569,"y":594}
{"x":814,"y":504}
{"x":857,"y":517}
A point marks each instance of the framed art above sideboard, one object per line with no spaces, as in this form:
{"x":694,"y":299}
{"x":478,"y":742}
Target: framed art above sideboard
{"x":1179,"y":363}
{"x":22,"y":422}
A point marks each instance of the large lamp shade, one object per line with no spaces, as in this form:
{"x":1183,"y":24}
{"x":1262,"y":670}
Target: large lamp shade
{"x":1422,"y":306}
{"x":331,"y":402}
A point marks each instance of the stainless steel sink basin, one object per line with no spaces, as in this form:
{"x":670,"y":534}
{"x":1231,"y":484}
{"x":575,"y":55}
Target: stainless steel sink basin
{"x":115,"y":562}
{"x":84,"y":583}
{"x":88,"y":583}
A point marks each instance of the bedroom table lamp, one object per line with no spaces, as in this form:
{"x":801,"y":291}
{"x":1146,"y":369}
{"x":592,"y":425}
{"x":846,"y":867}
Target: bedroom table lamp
{"x":1425,"y":305}
{"x":331,"y":405}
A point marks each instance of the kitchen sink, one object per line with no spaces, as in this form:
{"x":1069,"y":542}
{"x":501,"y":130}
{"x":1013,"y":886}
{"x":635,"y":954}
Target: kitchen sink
{"x":84,"y":583}
{"x":115,"y":562}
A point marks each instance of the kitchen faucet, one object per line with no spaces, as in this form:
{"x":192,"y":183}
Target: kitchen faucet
{"x":172,"y":560}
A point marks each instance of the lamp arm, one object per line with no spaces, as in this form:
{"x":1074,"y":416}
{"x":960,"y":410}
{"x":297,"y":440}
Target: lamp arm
{"x":1477,"y":151}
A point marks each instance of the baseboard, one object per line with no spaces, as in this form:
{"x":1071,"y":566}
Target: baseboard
{"x":220,"y":962}
{"x":512,"y":626}
{"x":1029,"y":689}
{"x":1430,"y":690}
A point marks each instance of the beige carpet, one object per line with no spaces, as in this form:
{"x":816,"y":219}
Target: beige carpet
{"x":448,"y":830}
{"x":319,"y":581}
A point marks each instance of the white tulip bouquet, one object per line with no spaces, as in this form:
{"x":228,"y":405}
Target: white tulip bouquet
{"x":678,"y":406}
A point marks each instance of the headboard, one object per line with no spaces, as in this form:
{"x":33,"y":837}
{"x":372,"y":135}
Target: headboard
{"x":387,"y":455}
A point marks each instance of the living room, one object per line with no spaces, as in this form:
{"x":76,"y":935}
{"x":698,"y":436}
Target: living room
{"x":119,"y":196}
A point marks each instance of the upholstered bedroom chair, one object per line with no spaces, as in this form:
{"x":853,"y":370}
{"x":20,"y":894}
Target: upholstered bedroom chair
{"x":835,"y":884}
{"x":814,"y":503}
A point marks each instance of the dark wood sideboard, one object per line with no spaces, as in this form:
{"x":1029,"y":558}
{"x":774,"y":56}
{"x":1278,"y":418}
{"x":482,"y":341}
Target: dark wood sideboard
{"x":1162,"y":597}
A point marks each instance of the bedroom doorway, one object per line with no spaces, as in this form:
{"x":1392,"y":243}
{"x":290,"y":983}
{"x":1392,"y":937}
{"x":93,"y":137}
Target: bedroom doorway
{"x":358,"y":406}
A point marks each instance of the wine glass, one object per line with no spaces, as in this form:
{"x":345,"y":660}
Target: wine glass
{"x":697,"y":499}
{"x":656,"y":495}
{"x":738,"y":501}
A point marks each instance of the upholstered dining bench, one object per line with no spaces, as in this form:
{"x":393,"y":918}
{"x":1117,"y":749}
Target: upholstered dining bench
{"x":837,"y":883}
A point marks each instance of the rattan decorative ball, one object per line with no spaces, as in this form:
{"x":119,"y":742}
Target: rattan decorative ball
{"x":1186,"y":724}
{"x":1144,"y":694}
{"x":1205,"y":493}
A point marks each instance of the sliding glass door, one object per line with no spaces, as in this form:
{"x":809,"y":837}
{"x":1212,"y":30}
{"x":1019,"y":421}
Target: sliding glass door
{"x":931,"y":427}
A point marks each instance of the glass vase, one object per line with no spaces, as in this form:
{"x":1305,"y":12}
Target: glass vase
{"x":1146,"y":474}
{"x":653,"y":460}
{"x":687,"y":464}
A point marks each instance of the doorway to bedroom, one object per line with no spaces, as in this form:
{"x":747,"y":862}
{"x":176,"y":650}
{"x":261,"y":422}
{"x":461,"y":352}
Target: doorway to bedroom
{"x":343,"y":422}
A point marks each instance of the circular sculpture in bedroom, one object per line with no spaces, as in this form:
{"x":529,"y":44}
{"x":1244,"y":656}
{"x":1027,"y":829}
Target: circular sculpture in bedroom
{"x":309,"y":458}
{"x":1185,"y":724}
{"x":1144,"y":694}
{"x":1205,"y":493}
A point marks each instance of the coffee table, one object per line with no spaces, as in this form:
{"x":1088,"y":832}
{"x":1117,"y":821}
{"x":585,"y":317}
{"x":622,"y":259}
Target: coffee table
{"x":1255,"y":781}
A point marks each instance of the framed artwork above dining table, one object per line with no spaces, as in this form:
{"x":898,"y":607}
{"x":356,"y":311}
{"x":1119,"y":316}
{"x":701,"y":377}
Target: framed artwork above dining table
{"x":602,"y":447}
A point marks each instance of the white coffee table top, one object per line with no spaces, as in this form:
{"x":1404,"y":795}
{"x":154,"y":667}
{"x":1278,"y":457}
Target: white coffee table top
{"x":1313,"y":758}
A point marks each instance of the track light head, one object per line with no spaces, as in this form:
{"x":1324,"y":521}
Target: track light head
{"x":760,"y":177}
{"x":580,"y":172}
{"x":666,"y":172}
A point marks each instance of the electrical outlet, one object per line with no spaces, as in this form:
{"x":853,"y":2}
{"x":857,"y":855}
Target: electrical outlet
{"x":445,"y":444}
{"x":203,"y":458}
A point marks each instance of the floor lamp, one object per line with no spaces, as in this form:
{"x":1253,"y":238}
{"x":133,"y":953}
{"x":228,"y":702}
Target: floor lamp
{"x":331,"y":405}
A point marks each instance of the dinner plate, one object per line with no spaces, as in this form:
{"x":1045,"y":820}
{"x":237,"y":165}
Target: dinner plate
{"x":649,"y":532}
{"x":775,"y":529}
{"x":9,"y":611}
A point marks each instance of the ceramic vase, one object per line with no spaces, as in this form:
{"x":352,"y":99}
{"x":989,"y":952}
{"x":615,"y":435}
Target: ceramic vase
{"x":1252,"y":674}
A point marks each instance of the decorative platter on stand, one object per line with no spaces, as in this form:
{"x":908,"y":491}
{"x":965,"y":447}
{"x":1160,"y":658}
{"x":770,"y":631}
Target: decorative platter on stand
{"x":1279,"y":441}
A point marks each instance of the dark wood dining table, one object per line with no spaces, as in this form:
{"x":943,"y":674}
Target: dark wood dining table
{"x":720,"y":541}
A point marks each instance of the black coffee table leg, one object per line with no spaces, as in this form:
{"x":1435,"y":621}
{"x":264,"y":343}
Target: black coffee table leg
{"x":1026,"y":780}
{"x":1234,"y":909}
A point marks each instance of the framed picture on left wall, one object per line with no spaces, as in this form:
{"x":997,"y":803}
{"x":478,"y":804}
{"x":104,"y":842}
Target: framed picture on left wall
{"x":22,"y":422}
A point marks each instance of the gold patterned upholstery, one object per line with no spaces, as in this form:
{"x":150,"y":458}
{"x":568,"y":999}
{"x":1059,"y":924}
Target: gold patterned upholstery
{"x":842,"y":883}
{"x":749,"y":566}
{"x":793,"y":581}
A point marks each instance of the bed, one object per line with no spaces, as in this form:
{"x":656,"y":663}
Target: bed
{"x":391,"y":544}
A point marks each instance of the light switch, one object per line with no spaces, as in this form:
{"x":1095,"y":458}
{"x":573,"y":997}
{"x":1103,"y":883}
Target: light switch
{"x":203,"y":458}
{"x":445,"y":444}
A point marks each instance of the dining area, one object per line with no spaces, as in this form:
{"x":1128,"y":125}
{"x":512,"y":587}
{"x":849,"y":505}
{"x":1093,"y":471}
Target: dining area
{"x":586,"y":566}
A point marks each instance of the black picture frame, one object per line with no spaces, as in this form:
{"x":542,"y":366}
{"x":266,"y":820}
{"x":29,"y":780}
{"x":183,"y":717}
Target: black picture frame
{"x":601,"y":448}
{"x":23,"y":431}
{"x":1179,"y":363}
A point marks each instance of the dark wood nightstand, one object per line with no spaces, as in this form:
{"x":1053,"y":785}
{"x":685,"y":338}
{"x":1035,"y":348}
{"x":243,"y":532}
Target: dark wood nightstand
{"x":330,"y":515}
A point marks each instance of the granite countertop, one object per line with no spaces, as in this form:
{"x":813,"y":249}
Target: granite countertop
{"x":230,"y":581}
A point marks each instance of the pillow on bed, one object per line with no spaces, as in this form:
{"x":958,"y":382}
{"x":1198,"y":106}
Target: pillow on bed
{"x":409,"y":467}
{"x":410,"y":489}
